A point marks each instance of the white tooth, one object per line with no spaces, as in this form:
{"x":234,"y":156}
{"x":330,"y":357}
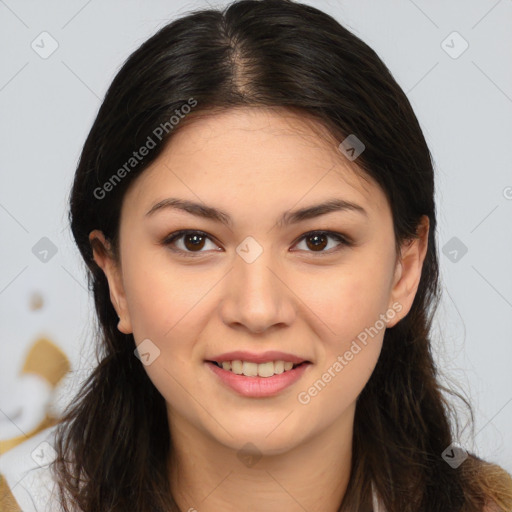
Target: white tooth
{"x":266,"y":369}
{"x":250,"y":369}
{"x":236,"y":367}
{"x":279,"y":367}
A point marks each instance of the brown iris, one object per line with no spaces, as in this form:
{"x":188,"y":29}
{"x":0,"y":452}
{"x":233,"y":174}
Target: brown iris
{"x":316,"y":244}
{"x":196,"y":241}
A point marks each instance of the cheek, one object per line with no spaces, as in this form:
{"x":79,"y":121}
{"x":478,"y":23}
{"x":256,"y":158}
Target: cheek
{"x":161,"y":297}
{"x":332,"y":392}
{"x":167,"y":307}
{"x":347,"y":309}
{"x":353,"y":309}
{"x":346,"y":302}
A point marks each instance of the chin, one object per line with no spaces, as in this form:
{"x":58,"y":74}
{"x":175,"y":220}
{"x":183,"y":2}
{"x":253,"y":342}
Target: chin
{"x":268,"y":438}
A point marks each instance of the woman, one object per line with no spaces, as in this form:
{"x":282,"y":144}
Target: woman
{"x":255,"y":206}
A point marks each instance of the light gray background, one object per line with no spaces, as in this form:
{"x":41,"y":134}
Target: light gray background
{"x":464,"y":106}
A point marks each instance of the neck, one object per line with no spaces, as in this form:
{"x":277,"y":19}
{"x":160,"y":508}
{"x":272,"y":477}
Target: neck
{"x":207,"y":476}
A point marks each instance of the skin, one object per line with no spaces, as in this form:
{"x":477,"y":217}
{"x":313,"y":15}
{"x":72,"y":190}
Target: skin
{"x":291,"y":298}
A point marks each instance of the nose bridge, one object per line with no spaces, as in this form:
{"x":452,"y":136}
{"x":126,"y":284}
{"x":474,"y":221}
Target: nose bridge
{"x":256,"y":296}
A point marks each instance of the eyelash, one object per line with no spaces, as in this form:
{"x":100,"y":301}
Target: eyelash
{"x":344,"y":241}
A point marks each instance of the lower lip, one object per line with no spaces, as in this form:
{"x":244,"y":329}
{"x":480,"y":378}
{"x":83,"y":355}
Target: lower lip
{"x":258,"y":387}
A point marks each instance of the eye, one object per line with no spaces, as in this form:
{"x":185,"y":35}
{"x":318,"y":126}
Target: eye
{"x":316,"y":241}
{"x":191,"y":241}
{"x":194,"y":241}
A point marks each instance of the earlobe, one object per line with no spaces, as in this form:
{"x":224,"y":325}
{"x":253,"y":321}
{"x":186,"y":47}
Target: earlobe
{"x":408,"y":270}
{"x":104,"y":258}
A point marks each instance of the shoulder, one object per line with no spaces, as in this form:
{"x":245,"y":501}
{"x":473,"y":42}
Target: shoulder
{"x":490,"y":480}
{"x":26,"y":482}
{"x":491,"y":506}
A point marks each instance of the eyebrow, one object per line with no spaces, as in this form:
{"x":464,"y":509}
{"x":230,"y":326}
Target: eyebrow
{"x":287,"y":218}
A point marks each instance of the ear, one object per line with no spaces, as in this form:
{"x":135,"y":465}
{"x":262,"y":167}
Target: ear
{"x":408,"y":270}
{"x":104,"y":258}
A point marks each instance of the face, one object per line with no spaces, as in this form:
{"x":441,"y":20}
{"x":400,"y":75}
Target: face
{"x":319,"y":288}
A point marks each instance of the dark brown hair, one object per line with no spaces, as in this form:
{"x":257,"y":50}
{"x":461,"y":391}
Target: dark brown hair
{"x":113,"y":443}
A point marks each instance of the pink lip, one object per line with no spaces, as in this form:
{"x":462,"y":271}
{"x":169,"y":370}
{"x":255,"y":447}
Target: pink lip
{"x":258,"y":387}
{"x":263,"y":357}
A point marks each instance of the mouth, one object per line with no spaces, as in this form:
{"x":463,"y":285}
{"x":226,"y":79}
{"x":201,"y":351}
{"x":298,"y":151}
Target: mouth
{"x":257,"y":380}
{"x":251,"y":369}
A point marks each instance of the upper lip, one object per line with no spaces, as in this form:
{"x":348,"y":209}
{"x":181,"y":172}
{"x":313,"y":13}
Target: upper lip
{"x":263,"y":357}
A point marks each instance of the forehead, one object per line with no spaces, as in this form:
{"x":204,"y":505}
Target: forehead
{"x":263,"y":155}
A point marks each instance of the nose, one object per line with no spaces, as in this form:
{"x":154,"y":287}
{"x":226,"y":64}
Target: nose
{"x":256,"y":296}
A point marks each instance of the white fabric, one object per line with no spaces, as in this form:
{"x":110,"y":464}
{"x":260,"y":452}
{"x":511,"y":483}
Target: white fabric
{"x":26,"y":471}
{"x":377,"y":505}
